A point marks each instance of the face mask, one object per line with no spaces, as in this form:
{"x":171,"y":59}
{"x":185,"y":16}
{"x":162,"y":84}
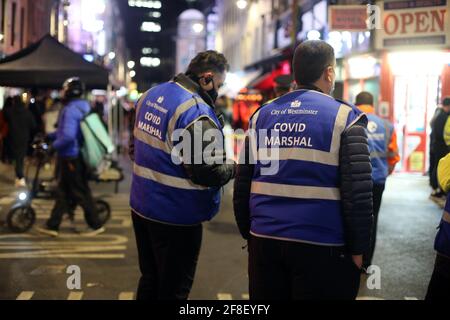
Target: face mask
{"x":213,"y":94}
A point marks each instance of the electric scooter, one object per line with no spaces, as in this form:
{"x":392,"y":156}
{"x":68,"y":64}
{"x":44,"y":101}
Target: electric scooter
{"x":21,"y":216}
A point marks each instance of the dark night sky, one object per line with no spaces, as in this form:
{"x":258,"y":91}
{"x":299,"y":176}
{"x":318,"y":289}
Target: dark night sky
{"x":165,"y":40}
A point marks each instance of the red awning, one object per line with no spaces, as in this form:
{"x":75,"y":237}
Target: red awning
{"x":267,"y":81}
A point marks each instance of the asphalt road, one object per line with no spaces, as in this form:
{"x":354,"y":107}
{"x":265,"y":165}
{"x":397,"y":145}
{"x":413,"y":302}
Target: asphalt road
{"x":35,"y":267}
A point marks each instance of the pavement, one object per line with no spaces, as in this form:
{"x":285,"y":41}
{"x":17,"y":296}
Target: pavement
{"x":36,"y":267}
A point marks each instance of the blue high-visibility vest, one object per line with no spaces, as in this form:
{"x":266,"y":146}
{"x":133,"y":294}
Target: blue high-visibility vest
{"x":442,"y":243}
{"x":379,"y":132}
{"x":301,"y":200}
{"x":161,"y":190}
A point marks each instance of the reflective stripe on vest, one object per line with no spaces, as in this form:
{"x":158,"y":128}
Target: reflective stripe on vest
{"x":180,"y":110}
{"x":299,"y":192}
{"x":165,"y":179}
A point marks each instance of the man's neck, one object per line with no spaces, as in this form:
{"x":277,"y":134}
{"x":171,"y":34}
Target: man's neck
{"x":309,"y":87}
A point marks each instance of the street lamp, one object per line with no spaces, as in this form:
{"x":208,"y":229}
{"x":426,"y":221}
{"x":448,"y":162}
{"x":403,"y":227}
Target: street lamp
{"x":313,"y":35}
{"x":198,"y":27}
{"x":242,"y":4}
{"x":131,"y":64}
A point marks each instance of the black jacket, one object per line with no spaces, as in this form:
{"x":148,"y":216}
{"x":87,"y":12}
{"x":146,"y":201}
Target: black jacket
{"x":356,"y":189}
{"x":437,"y":142}
{"x":208,"y":175}
{"x":21,"y":125}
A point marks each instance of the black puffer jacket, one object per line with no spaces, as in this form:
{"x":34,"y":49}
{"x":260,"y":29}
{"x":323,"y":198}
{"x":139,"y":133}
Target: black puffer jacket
{"x":356,"y":189}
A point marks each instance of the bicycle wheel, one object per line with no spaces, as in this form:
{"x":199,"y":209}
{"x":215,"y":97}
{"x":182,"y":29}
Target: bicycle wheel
{"x":21,"y":219}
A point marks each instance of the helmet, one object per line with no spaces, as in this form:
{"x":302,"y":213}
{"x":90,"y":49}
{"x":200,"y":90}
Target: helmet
{"x":73,"y":88}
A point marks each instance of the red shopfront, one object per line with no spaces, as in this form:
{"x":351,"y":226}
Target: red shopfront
{"x":415,"y":72}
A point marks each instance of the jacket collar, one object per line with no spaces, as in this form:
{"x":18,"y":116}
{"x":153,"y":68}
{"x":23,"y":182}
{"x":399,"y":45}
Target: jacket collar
{"x":190,"y":85}
{"x":309,"y":87}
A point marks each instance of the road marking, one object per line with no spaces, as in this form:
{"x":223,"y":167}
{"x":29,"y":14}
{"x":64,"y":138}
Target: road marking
{"x":65,"y":246}
{"x":411,"y":298}
{"x":224,"y":296}
{"x":65,"y":256}
{"x":25,"y":295}
{"x":246,"y":296}
{"x":126,"y":296}
{"x":75,"y":296}
{"x":369,"y":298}
{"x":48,"y":270}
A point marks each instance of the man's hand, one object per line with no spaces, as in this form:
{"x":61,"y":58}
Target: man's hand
{"x":358,"y":261}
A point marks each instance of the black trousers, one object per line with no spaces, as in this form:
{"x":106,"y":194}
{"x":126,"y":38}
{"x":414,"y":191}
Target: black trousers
{"x":439,"y":288}
{"x":73,"y":188}
{"x":19,"y":160}
{"x":168,"y":258}
{"x":284,"y":270}
{"x":378,"y":190}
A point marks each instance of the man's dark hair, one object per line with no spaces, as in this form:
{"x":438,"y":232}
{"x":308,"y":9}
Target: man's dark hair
{"x":446,"y":101}
{"x":208,"y":61}
{"x":311,"y":58}
{"x":364,"y":98}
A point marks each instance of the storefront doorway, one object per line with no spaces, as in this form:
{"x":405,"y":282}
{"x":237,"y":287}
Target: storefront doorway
{"x":415,"y":101}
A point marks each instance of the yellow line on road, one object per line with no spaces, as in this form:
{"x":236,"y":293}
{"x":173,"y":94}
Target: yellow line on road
{"x":25,"y":295}
{"x":224,"y":296}
{"x":75,"y":296}
{"x":126,"y":296}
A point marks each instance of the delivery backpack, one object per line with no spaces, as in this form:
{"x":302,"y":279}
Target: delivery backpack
{"x":97,"y":148}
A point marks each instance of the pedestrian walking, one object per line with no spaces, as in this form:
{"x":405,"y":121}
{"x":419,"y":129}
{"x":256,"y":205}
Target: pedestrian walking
{"x":171,"y":199}
{"x":72,"y":175}
{"x":20,"y":127}
{"x":438,"y":147}
{"x":384,"y":156}
{"x":307,"y":214}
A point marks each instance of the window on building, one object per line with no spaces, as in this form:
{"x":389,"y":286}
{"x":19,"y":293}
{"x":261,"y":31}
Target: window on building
{"x":2,"y":23}
{"x":13,"y":23}
{"x":22,"y":27}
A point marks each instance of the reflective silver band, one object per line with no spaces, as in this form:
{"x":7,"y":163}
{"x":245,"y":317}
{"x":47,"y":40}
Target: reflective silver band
{"x":339,"y":127}
{"x":182,"y":108}
{"x":299,"y":192}
{"x":309,"y":155}
{"x":165,"y":179}
{"x":254,"y":119}
{"x":377,"y":155}
{"x":151,"y":141}
{"x":141,"y":102}
{"x":296,"y":240}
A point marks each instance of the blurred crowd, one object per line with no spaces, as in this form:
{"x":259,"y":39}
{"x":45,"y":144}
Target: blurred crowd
{"x":28,"y":115}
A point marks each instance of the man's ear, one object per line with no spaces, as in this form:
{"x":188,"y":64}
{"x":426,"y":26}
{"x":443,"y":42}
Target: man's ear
{"x":329,"y":74}
{"x":206,"y":81}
